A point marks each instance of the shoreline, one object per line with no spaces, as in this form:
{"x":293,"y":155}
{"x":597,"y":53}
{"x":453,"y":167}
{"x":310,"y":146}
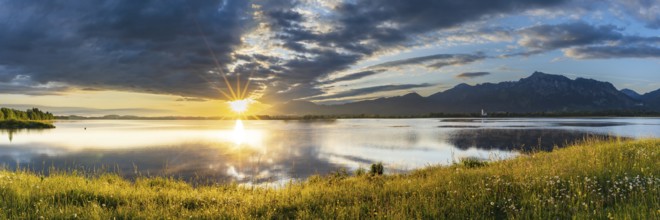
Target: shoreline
{"x":336,"y":118}
{"x":25,"y":124}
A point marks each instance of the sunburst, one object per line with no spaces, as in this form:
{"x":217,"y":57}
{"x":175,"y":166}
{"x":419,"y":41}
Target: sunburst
{"x":238,"y":95}
{"x":240,"y":106}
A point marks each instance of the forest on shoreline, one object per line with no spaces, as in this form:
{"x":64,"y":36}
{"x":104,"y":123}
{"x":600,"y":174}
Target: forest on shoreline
{"x":30,"y":118}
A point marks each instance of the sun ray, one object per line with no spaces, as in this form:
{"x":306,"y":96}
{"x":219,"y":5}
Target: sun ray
{"x":247,"y":84}
{"x":238,"y":102}
{"x":215,"y":60}
{"x":225,"y":94}
{"x":238,"y":86}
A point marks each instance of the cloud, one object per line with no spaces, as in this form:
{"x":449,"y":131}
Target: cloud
{"x":370,"y":90}
{"x":550,"y":37}
{"x":354,"y":76}
{"x":478,"y":35}
{"x":585,"y":41}
{"x":386,"y":22}
{"x":472,"y":74}
{"x":434,"y":61}
{"x":646,"y":11}
{"x":22,"y":84}
{"x":355,"y":30}
{"x":159,"y":47}
{"x":91,"y":89}
{"x":144,"y":46}
{"x":608,"y":52}
{"x":191,"y":99}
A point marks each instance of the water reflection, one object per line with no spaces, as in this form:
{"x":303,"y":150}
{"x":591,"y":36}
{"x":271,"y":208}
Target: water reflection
{"x":519,"y":139}
{"x":239,"y":132}
{"x":269,"y":151}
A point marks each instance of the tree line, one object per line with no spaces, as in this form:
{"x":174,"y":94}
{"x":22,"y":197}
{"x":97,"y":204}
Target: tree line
{"x":30,"y":114}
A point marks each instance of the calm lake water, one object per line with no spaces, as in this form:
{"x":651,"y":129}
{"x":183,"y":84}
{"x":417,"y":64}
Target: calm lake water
{"x":255,"y":152}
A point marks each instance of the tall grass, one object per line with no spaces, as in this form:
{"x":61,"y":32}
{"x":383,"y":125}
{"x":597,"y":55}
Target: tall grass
{"x":597,"y":179}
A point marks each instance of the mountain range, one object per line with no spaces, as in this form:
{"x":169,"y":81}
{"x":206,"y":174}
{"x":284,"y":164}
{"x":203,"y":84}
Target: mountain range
{"x":540,"y":92}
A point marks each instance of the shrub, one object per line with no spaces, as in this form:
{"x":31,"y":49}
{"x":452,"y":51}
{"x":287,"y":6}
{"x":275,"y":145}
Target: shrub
{"x":360,"y":172}
{"x":472,"y":162}
{"x":376,"y":169}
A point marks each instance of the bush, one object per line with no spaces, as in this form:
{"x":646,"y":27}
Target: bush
{"x":360,"y":172}
{"x":376,"y":169}
{"x":473,"y":162}
{"x":341,"y":173}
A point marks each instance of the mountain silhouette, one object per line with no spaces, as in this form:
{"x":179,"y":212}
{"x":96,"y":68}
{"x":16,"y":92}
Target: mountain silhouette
{"x":632,"y":94}
{"x":652,"y":100}
{"x":540,"y":92}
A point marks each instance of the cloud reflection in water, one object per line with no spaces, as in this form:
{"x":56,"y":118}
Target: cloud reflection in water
{"x":270,"y":151}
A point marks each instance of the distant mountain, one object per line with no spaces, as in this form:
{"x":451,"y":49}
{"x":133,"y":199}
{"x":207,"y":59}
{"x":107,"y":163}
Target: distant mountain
{"x":539,"y":92}
{"x":652,"y":99}
{"x":297,"y":108}
{"x":410,"y":104}
{"x":632,"y":94}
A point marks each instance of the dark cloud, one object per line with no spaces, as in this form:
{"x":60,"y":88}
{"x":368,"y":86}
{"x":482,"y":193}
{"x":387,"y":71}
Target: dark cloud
{"x":646,"y":11}
{"x":550,"y":37}
{"x":22,"y":84}
{"x":472,"y":74}
{"x":298,"y":70}
{"x":354,"y":76}
{"x":145,"y":46}
{"x":29,"y":90}
{"x":586,"y":41}
{"x":361,"y":28}
{"x":434,"y":61}
{"x":370,"y":90}
{"x":606,"y":52}
{"x":190,"y":99}
{"x":388,"y":22}
{"x":91,"y":89}
{"x":158,"y":46}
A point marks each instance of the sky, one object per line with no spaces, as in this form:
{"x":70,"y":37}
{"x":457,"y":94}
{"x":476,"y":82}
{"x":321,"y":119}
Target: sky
{"x":188,"y":58}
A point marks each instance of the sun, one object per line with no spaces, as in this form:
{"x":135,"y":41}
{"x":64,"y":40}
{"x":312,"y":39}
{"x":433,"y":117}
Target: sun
{"x":240,"y":106}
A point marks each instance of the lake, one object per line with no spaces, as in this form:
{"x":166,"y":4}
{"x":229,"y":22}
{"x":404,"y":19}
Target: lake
{"x":255,"y":152}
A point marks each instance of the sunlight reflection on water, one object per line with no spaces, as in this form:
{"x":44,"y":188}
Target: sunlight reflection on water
{"x":275,"y":151}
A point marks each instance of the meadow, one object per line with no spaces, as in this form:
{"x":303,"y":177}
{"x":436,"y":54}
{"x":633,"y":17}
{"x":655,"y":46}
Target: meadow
{"x":596,"y":179}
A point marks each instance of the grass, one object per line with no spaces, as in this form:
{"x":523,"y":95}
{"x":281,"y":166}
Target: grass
{"x":20,"y":124}
{"x":597,"y":179}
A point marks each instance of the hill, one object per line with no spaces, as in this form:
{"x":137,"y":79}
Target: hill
{"x":652,"y":99}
